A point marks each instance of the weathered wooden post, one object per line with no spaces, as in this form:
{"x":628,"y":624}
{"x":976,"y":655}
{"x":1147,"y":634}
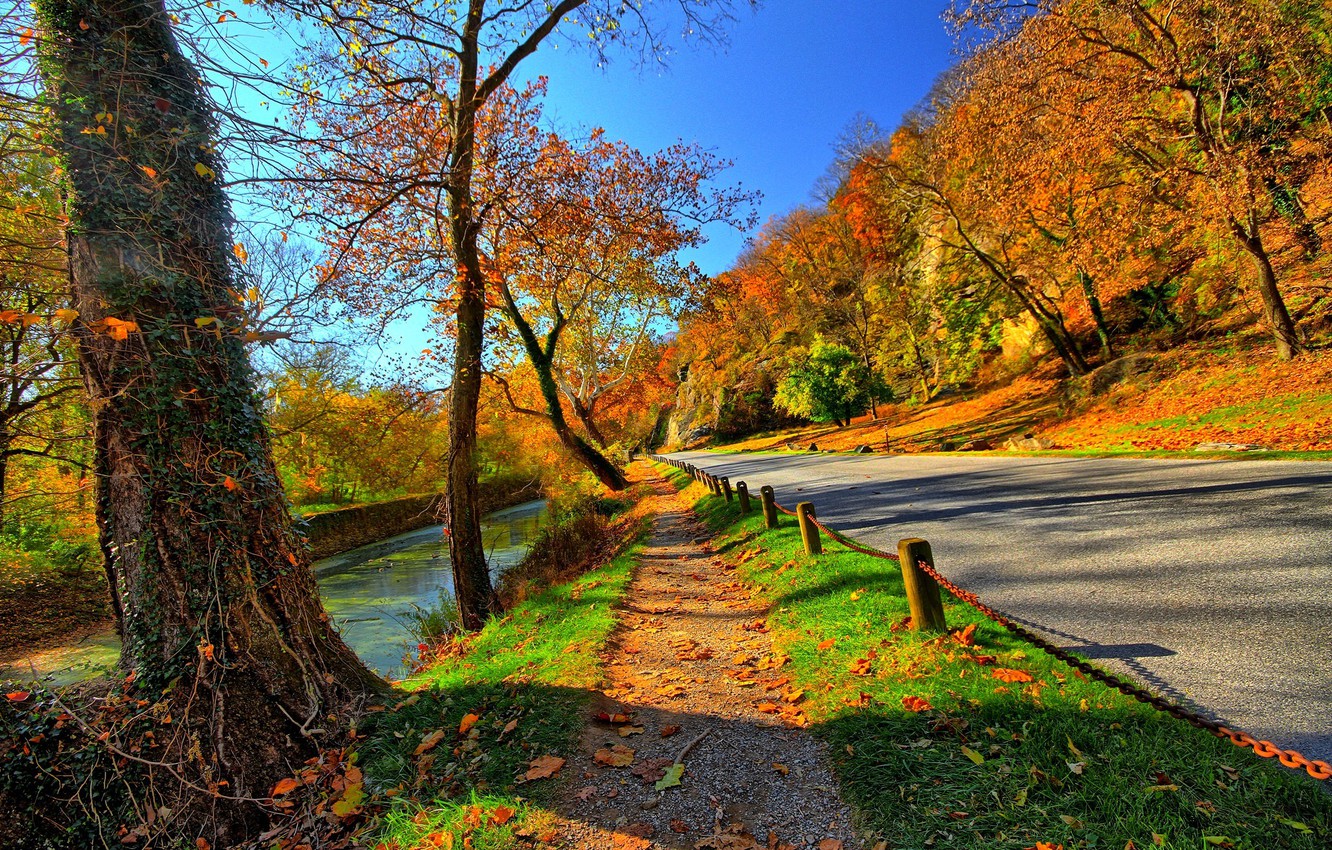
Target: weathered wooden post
{"x":809,"y":532}
{"x":922,"y":592}
{"x":726,"y":488}
{"x":769,"y":506}
{"x":743,"y":489}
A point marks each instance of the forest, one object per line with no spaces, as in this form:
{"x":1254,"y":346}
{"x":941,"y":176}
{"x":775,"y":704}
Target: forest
{"x":198,"y":248}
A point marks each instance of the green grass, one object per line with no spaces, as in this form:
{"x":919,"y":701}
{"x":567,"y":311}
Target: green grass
{"x":526,"y":678}
{"x":1059,"y":759}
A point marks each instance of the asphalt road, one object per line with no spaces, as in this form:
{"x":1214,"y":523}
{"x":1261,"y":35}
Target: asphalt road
{"x":1207,"y":580}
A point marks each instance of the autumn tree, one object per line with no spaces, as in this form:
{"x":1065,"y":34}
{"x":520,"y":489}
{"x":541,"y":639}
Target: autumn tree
{"x":217,"y":604}
{"x":454,"y":58}
{"x":590,"y":247}
{"x":39,"y":387}
{"x":1221,"y":94}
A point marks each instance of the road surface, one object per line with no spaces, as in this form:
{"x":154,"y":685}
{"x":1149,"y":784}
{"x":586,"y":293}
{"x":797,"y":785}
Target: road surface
{"x":1207,"y":580}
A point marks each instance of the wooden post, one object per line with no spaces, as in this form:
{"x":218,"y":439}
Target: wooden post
{"x":726,"y":488}
{"x":743,"y":489}
{"x":769,"y":506}
{"x":922,"y":593}
{"x":809,"y":532}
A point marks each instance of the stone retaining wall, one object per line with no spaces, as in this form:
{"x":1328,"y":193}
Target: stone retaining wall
{"x":337,"y":531}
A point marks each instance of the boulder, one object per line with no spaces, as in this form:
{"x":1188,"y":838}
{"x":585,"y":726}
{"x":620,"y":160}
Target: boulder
{"x":1029,"y":443}
{"x":864,"y":450}
{"x":813,"y":447}
{"x":1230,"y":447}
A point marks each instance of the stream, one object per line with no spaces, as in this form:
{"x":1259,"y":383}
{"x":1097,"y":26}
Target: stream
{"x":371,"y":593}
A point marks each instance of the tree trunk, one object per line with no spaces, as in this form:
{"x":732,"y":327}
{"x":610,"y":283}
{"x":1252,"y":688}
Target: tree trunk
{"x":219,"y":606}
{"x":584,"y":414}
{"x":1274,"y":306}
{"x":462,"y":498}
{"x":5,"y":440}
{"x":1098,"y":315}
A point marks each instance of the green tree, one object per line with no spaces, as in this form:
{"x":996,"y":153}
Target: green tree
{"x":829,"y":384}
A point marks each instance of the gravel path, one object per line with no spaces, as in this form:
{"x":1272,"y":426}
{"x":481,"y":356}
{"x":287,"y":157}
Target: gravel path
{"x":691,"y":667}
{"x":1206,"y":579}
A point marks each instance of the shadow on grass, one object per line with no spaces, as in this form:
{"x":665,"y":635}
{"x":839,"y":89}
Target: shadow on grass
{"x":1008,"y":747}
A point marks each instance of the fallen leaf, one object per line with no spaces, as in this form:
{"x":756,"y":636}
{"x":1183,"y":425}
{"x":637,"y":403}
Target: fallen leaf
{"x":781,"y":768}
{"x":1008,"y":674}
{"x":614,"y":718}
{"x":1072,"y":822}
{"x":856,"y":594}
{"x":586,"y":793}
{"x":543,"y":767}
{"x":973,"y":755}
{"x":916,"y":704}
{"x":501,"y":815}
{"x":429,"y":742}
{"x":284,"y":786}
{"x":468,"y":721}
{"x":1076,"y":766}
{"x":668,"y":731}
{"x":672,"y":777}
{"x":678,"y":826}
{"x":827,"y":644}
{"x":626,"y":731}
{"x":860,"y":667}
{"x":640,"y":829}
{"x":966,"y":637}
{"x":616,"y":756}
{"x":1171,"y":787}
{"x":830,"y":844}
{"x":18,"y":696}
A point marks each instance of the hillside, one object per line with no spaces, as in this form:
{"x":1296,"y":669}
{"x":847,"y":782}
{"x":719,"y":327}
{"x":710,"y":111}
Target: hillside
{"x":1171,"y":400}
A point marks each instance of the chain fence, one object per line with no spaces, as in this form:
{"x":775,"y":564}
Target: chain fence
{"x":1293,"y":759}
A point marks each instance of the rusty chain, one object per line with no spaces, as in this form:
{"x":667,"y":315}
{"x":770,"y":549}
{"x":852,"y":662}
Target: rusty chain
{"x":1293,"y":759}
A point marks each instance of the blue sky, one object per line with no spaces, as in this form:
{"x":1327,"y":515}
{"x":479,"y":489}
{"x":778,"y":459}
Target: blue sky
{"x":795,"y":74}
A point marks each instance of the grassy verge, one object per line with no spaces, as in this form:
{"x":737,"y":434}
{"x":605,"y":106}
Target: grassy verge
{"x":974,"y":739}
{"x":449,"y":760}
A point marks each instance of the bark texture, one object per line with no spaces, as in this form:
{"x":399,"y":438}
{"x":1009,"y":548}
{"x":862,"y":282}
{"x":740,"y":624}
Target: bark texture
{"x":218,"y":605}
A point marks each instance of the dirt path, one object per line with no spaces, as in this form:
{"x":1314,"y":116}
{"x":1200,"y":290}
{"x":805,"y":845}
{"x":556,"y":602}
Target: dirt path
{"x":692,"y":667}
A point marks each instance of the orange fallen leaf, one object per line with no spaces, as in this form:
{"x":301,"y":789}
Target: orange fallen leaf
{"x":1008,"y":674}
{"x":18,"y":696}
{"x":543,"y":767}
{"x":501,"y":815}
{"x":429,"y":742}
{"x":284,"y":786}
{"x":856,"y":594}
{"x":668,"y":731}
{"x":860,"y":667}
{"x":916,"y":704}
{"x":468,"y":721}
{"x":966,"y":637}
{"x":616,"y":756}
{"x":827,"y":644}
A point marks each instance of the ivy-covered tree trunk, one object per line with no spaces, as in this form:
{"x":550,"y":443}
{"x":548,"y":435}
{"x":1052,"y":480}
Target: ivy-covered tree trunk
{"x":542,"y":358}
{"x":220,"y":608}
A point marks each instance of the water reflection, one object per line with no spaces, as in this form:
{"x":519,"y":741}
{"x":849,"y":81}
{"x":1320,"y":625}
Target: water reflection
{"x":369,"y":592}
